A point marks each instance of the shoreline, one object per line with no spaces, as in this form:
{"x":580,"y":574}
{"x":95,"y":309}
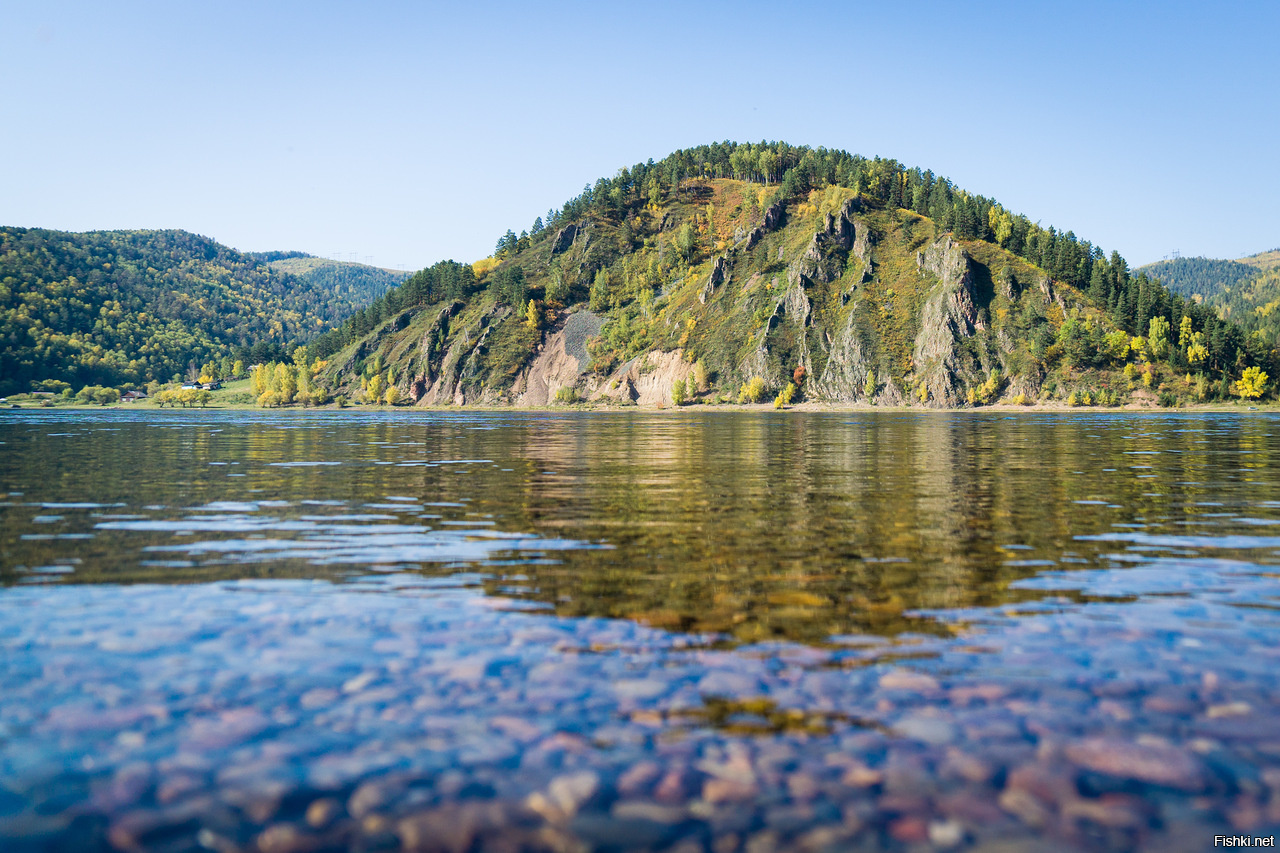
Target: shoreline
{"x":802,"y":408}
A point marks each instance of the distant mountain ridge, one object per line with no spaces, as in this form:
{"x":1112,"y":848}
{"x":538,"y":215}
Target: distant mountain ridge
{"x":125,"y":307}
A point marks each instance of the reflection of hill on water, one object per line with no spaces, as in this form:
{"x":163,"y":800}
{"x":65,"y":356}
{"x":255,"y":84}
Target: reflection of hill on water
{"x":754,"y":526}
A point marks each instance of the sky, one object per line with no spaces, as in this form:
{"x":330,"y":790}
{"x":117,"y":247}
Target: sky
{"x":406,"y":133}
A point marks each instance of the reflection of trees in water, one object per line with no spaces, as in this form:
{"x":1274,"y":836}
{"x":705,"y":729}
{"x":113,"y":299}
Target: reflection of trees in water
{"x":810,"y":526}
{"x":762,"y":526}
{"x":787,"y":526}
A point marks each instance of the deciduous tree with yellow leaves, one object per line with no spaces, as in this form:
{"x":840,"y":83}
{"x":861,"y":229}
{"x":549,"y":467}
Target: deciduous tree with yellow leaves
{"x":1251,"y":384}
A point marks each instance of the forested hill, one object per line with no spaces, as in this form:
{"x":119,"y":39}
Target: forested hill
{"x":1264,"y":260}
{"x":1203,"y":277}
{"x":359,"y":284}
{"x":729,"y":271}
{"x":120,"y":307}
{"x":1244,"y":291}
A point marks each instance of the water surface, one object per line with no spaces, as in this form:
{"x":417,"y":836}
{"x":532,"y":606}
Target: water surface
{"x":701,"y":631}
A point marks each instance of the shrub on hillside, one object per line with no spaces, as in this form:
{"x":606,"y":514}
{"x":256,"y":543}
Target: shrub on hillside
{"x":753,"y":391}
{"x":784,"y":396}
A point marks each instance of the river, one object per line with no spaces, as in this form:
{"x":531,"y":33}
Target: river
{"x":694,"y":631}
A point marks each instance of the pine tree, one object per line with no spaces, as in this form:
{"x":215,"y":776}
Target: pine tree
{"x":894,"y":192}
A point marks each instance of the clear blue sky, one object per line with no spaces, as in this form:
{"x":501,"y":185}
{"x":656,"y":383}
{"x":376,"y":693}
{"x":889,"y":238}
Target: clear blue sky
{"x":413,"y":132}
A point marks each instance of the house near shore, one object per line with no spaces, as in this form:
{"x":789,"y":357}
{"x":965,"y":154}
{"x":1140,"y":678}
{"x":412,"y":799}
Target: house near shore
{"x":133,"y":396}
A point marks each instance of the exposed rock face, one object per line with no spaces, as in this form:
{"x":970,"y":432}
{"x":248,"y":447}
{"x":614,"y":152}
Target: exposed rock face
{"x":560,"y":362}
{"x":824,"y":259}
{"x":772,"y":221}
{"x":719,"y":274}
{"x":797,"y":305}
{"x":861,"y":246}
{"x":470,"y":368}
{"x":564,"y":238}
{"x":795,"y":308}
{"x":424,"y":365}
{"x":953,"y":267}
{"x":757,"y":364}
{"x":841,"y":238}
{"x":845,"y":374}
{"x":891,"y":395}
{"x":368,"y":346}
{"x":551,"y":369}
{"x":841,"y":227}
{"x":647,"y":380}
{"x":810,"y":263}
{"x":774,"y":215}
{"x":579,"y":328}
{"x":460,"y":364}
{"x":1051,"y":293}
{"x":949,"y":315}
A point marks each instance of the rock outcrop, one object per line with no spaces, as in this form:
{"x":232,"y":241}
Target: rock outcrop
{"x":459,"y":364}
{"x":949,"y":315}
{"x":774,"y":216}
{"x":772,"y":221}
{"x":647,"y":380}
{"x":561,"y":361}
{"x":825,"y":257}
{"x":423,"y":367}
{"x":844,"y":376}
{"x":564,"y":238}
{"x":719,"y":275}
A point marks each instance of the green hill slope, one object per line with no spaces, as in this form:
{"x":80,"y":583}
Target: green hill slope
{"x":1245,"y":291}
{"x":1203,"y":277}
{"x":118,"y":307}
{"x":1264,"y":260}
{"x":359,"y":284}
{"x":731,"y":263}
